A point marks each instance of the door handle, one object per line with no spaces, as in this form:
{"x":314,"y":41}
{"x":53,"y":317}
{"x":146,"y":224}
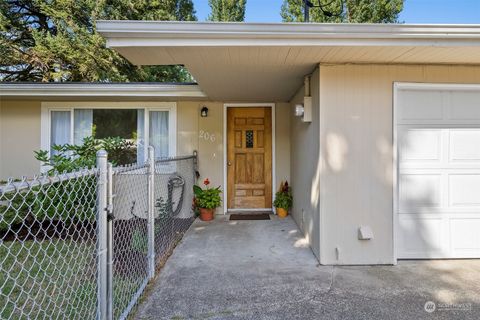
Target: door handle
{"x":229,"y":163}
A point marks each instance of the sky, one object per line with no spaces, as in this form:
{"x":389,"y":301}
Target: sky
{"x":414,"y":11}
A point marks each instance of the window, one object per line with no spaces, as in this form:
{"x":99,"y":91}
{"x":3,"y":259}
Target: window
{"x":59,"y":128}
{"x":153,"y":126}
{"x":158,"y":135}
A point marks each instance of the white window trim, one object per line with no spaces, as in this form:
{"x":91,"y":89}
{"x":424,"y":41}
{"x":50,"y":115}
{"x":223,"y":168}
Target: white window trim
{"x":48,"y":107}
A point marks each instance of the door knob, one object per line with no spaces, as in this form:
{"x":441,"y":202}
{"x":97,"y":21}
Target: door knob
{"x":229,"y":163}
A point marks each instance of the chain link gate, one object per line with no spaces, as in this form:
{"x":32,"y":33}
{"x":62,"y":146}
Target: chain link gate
{"x":84,"y":245}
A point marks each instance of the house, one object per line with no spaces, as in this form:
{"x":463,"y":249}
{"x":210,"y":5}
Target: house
{"x":376,"y":127}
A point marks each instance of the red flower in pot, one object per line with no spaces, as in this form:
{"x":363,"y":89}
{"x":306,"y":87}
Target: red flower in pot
{"x":207,"y":200}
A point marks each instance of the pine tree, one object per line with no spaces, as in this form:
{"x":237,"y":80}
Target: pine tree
{"x":56,"y":40}
{"x":353,"y":11}
{"x":227,"y":10}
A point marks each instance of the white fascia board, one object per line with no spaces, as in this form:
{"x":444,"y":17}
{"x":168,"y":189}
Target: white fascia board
{"x":99,"y":90}
{"x":166,"y":33}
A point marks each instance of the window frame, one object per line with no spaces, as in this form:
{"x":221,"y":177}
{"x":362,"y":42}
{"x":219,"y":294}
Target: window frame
{"x":48,"y":107}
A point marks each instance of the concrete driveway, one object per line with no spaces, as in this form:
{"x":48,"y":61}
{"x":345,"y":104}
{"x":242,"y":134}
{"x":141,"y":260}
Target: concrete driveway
{"x":265,"y":270}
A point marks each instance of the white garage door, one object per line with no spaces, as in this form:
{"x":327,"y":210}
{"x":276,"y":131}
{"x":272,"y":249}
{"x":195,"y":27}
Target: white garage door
{"x":438,"y":192}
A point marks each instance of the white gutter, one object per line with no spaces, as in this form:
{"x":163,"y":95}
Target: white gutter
{"x":126,"y":33}
{"x":99,"y":90}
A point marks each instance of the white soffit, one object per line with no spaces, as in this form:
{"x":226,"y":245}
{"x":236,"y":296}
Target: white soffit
{"x":107,"y":90}
{"x":252,"y":61}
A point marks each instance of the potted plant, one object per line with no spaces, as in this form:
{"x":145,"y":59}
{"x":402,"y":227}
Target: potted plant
{"x":283,"y":200}
{"x":207,"y":200}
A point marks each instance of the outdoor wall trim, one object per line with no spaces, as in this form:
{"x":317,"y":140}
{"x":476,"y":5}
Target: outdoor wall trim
{"x":128,"y":33}
{"x":99,"y":90}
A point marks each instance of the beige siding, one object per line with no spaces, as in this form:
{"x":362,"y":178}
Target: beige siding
{"x":282,"y":141}
{"x":356,"y":103}
{"x":20,"y":123}
{"x":196,"y":133}
{"x":204,"y":135}
{"x":305,"y":167}
{"x":19,"y":137}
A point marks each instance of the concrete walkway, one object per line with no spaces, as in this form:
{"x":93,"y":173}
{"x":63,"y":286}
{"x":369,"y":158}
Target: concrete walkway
{"x":265,"y":270}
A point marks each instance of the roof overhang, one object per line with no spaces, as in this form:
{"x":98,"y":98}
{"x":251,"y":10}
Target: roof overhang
{"x":252,"y":61}
{"x":101,"y":90}
{"x":121,"y":33}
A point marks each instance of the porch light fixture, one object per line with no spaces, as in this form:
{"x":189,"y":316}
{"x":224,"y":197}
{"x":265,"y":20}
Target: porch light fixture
{"x":304,"y":110}
{"x":299,"y":110}
{"x":204,"y":112}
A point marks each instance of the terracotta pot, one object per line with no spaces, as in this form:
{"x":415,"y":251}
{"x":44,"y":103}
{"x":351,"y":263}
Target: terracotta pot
{"x":282,"y":213}
{"x":207,"y":214}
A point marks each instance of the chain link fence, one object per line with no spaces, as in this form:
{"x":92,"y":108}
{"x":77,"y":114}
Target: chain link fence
{"x":84,"y":245}
{"x":173,"y":204}
{"x":48,"y":246}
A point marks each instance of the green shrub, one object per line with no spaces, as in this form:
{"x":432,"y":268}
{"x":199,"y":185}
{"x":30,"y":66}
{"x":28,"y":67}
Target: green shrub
{"x":283,"y":198}
{"x":208,"y":198}
{"x":70,"y":200}
{"x":69,"y":157}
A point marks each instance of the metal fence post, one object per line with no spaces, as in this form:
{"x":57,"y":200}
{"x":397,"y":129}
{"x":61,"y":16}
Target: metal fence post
{"x":110,"y":242}
{"x":151,"y":208}
{"x":102,"y":235}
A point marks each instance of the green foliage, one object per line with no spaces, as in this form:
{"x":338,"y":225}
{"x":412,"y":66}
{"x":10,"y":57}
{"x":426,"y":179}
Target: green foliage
{"x":56,"y":40}
{"x":227,"y":10}
{"x":352,"y":11}
{"x":208,"y":198}
{"x":139,"y":241}
{"x":15,"y":208}
{"x":162,"y":207}
{"x":68,"y":201}
{"x":283,"y":198}
{"x":68,"y":157}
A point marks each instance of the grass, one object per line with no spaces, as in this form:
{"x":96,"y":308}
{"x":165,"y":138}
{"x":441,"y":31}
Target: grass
{"x":47,"y":279}
{"x":56,"y":279}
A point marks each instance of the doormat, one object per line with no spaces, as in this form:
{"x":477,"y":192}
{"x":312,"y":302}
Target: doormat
{"x":250,"y":216}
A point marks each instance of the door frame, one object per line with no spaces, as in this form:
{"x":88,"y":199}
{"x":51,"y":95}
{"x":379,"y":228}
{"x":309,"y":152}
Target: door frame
{"x":225,"y":141}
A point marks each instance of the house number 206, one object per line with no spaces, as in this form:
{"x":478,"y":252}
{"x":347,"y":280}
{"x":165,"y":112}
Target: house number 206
{"x":207,"y":136}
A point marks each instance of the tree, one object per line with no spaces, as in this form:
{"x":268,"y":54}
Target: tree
{"x":56,"y":40}
{"x":227,"y":10}
{"x":353,"y":11}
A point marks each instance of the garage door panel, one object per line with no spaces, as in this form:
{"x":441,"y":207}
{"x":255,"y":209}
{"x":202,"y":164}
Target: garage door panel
{"x":464,"y":190}
{"x":416,"y":105}
{"x":464,"y":145}
{"x":465,"y":236}
{"x":438,"y":191}
{"x":420,"y":144}
{"x":419,"y":191}
{"x":421,"y":236}
{"x":464,"y":105}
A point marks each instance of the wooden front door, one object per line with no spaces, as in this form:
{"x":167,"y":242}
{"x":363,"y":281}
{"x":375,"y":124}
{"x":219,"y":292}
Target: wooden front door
{"x":249,"y":158}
